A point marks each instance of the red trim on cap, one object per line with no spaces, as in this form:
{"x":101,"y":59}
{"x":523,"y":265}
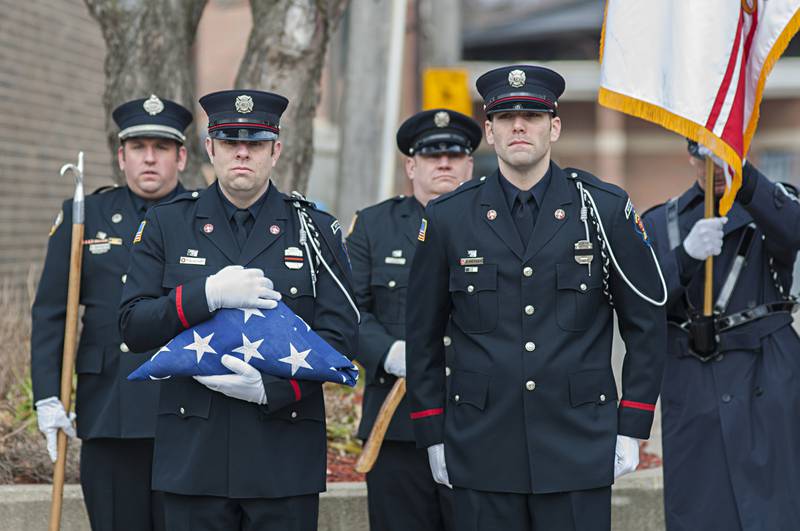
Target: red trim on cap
{"x":637,"y":405}
{"x":296,"y":386}
{"x":179,"y":306}
{"x":514,"y":98}
{"x":242,"y":125}
{"x":427,"y":413}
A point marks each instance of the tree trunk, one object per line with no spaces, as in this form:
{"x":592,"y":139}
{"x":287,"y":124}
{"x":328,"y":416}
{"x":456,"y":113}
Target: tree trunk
{"x":149,"y":51}
{"x":368,"y":28}
{"x":285,"y":54}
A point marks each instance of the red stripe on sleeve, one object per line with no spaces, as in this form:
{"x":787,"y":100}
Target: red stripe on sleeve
{"x":179,"y":306}
{"x":426,"y":413}
{"x":296,"y":386}
{"x":637,"y":405}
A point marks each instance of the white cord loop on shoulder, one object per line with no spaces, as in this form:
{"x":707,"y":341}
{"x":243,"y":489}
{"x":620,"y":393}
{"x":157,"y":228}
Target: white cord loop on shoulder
{"x":605,"y":245}
{"x":310,"y":235}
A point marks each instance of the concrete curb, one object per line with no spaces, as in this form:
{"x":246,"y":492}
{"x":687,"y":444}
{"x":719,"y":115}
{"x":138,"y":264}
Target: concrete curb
{"x":636,"y":506}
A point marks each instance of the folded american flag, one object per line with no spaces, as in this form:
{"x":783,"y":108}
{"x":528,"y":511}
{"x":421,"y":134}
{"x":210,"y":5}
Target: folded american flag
{"x":276,"y":342}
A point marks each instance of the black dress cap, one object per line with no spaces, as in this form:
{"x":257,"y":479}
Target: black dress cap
{"x":520,"y":88}
{"x":152,"y":117}
{"x":245,"y":115}
{"x":438,"y":131}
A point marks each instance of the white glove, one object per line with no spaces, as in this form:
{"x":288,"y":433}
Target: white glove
{"x":626,"y":456}
{"x":438,"y":466}
{"x":237,"y":287}
{"x":705,"y":238}
{"x":395,"y":362}
{"x":245,"y":383}
{"x":51,"y":417}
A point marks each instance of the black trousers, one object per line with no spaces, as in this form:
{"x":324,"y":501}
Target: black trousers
{"x":582,"y":510}
{"x":115,"y":479}
{"x":211,"y":513}
{"x":402,"y":495}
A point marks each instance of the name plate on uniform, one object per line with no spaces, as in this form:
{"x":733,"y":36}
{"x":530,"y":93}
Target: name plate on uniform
{"x":472,"y":261}
{"x":99,"y":248}
{"x":394,"y":260}
{"x":192,"y":260}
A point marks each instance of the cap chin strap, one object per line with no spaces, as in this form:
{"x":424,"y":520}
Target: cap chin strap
{"x":605,"y":244}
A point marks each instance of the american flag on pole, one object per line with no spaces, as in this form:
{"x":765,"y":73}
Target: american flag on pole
{"x":276,"y":342}
{"x":697,"y":68}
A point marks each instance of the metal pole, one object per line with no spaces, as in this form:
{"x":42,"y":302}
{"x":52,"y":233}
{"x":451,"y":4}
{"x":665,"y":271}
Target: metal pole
{"x":708,"y":296}
{"x":393,"y":93}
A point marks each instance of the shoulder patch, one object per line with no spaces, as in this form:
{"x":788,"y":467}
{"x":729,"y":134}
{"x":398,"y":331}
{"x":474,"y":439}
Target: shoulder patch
{"x":336,"y":226}
{"x":57,"y":222}
{"x":463,"y":187}
{"x":638,"y":226}
{"x":595,"y":182}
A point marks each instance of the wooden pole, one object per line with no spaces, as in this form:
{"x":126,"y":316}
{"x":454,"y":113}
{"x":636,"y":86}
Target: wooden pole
{"x":369,"y":454}
{"x":70,"y":336}
{"x":708,"y":298}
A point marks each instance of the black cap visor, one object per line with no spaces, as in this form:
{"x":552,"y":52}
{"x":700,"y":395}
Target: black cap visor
{"x":243,"y":133}
{"x":440,"y":143}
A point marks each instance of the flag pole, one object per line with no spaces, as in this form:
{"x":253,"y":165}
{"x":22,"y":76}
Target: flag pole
{"x":708,"y":303}
{"x":70,"y":336}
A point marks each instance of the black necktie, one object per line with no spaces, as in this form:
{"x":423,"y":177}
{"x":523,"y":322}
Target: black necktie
{"x":523,"y":215}
{"x":242,"y":230}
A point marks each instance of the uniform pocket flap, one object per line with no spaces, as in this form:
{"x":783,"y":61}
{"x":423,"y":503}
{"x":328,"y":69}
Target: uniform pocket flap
{"x":592,"y":386}
{"x":395,"y":277}
{"x":177,"y":274}
{"x":485,"y":279}
{"x":293,"y":286}
{"x":576,"y":277}
{"x":185,"y":398}
{"x":90,"y":360}
{"x":467,"y":387}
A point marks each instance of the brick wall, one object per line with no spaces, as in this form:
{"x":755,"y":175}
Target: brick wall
{"x":51,"y":89}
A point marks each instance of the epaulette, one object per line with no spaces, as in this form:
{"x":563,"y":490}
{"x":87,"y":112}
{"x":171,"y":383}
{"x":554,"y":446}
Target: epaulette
{"x":463,"y":187}
{"x":385,"y":202}
{"x":589,"y":179}
{"x":185,"y":196}
{"x":643,"y":214}
{"x":300,"y":198}
{"x":104,"y":189}
{"x":790,"y":189}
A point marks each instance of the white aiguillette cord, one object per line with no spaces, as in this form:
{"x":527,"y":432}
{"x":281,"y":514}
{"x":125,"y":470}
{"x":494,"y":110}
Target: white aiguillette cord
{"x":306,"y":237}
{"x":585,"y":193}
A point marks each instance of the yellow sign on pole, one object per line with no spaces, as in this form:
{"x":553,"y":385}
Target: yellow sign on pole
{"x":446,"y":88}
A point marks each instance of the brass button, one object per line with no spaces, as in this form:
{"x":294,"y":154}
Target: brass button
{"x":392,"y":283}
{"x":530,"y":385}
{"x":530,"y":346}
{"x":124,"y":278}
{"x":456,"y":398}
{"x":528,"y":271}
{"x":447,"y":341}
{"x":123,"y":347}
{"x":183,"y":411}
{"x":583,"y":287}
{"x":294,"y":414}
{"x":293,"y":290}
{"x":447,"y":371}
{"x":529,"y":309}
{"x":470,"y":288}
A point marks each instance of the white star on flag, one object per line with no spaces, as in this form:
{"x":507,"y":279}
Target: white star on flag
{"x":162,"y":349}
{"x":251,"y":311}
{"x":201,"y":345}
{"x":249,"y":349}
{"x":297,"y":359}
